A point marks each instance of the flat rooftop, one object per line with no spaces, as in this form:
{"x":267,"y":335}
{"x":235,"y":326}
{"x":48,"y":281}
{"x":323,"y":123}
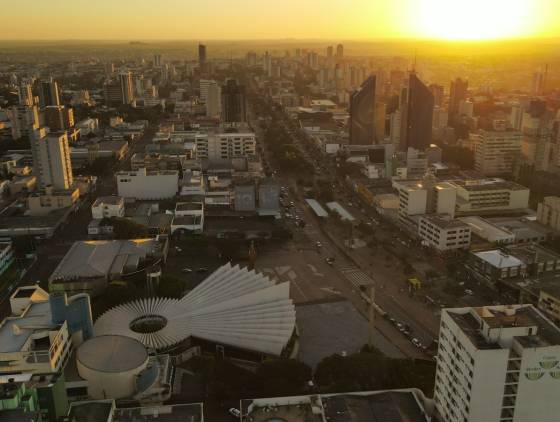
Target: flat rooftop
{"x":92,"y":411}
{"x":170,"y":413}
{"x":109,"y":200}
{"x":444,"y":222}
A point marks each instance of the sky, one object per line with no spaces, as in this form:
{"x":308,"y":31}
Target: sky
{"x":279,"y":19}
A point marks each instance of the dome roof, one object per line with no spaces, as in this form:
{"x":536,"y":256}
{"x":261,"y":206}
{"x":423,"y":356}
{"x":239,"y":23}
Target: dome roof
{"x":112,"y":353}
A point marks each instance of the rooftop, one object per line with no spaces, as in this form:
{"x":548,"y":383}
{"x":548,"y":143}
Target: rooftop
{"x":108,"y":200}
{"x":169,"y":413}
{"x":111,"y":353}
{"x":91,"y":411}
{"x":499,"y":259}
{"x":445,"y":222}
{"x":101,"y":258}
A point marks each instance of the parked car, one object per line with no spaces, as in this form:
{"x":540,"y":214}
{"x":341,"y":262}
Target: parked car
{"x":186,"y":270}
{"x":234,"y":412}
{"x":201,"y":270}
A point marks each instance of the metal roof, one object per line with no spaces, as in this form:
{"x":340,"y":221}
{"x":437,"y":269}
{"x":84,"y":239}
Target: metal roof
{"x":317,"y":208}
{"x":112,"y":353}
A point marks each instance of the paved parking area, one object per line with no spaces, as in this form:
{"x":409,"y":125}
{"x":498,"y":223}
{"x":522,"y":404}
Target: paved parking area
{"x":333,"y":327}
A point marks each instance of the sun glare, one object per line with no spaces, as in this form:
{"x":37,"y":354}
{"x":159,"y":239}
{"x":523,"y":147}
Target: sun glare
{"x":475,"y":19}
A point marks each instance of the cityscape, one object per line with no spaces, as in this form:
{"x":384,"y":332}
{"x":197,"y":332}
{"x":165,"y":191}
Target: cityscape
{"x":316,"y":212}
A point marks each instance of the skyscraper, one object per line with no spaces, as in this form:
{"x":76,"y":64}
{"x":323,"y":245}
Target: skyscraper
{"x":202,"y":56}
{"x":214,"y":100}
{"x":59,"y":118}
{"x":157,"y":60}
{"x":340,"y":51}
{"x":127,"y":87}
{"x":24,"y":119}
{"x":457,"y":93}
{"x":25,"y":94}
{"x":51,"y":160}
{"x":362,"y":114}
{"x":437,"y":92}
{"x":233,"y":102}
{"x":330,"y":51}
{"x":49,"y":93}
{"x":417,"y":110}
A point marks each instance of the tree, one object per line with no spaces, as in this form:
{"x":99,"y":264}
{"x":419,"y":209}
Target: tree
{"x":281,"y":377}
{"x":170,"y":287}
{"x":125,"y":229}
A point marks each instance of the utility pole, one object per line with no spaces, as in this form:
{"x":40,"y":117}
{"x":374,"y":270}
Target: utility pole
{"x":371,"y":314}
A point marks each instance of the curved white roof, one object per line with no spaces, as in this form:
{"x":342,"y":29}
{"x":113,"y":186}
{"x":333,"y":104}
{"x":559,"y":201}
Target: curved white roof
{"x":233,"y":306}
{"x":112,"y":353}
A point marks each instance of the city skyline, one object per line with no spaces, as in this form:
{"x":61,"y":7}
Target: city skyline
{"x":219,"y":20}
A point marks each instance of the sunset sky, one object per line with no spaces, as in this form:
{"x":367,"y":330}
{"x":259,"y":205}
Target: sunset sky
{"x":267,"y":19}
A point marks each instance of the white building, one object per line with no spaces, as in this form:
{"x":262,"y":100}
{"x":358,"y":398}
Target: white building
{"x":150,"y":185}
{"x":497,"y":364}
{"x":226,"y":145}
{"x":51,"y":160}
{"x":444,"y":233}
{"x":87,"y":126}
{"x":487,"y":196}
{"x":107,"y":207}
{"x":427,"y":196}
{"x":188,"y":216}
{"x":495,"y":152}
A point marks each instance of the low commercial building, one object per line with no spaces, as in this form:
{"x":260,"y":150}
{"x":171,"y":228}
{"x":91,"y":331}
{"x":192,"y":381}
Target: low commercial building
{"x":148,"y":185}
{"x":549,"y":302}
{"x":496,"y":265}
{"x":406,"y":405}
{"x":49,"y":200}
{"x":107,"y":207}
{"x":488,"y":231}
{"x":490,"y":196}
{"x":444,"y":233}
{"x":89,"y":265}
{"x":188,"y":217}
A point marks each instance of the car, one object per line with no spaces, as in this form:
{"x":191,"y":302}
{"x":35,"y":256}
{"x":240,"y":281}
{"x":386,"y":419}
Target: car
{"x":330,"y":260}
{"x":178,"y":249}
{"x":234,"y":412}
{"x":416,"y":342}
{"x":469,"y":292}
{"x":318,"y":244}
{"x":186,"y":270}
{"x":201,"y":270}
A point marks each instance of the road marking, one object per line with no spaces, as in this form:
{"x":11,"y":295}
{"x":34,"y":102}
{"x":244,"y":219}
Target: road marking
{"x":314,"y":270}
{"x":282,"y":270}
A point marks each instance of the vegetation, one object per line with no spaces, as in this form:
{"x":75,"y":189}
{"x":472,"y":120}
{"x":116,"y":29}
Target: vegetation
{"x":370,"y":370}
{"x":170,"y":287}
{"x":125,"y":229}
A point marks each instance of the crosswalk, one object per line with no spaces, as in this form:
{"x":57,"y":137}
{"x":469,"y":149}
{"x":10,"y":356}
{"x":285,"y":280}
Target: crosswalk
{"x":356,"y":276}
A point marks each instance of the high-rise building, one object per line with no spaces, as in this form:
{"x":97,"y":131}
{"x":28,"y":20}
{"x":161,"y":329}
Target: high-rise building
{"x":59,"y":118}
{"x":25,"y":94}
{"x":251,"y":59}
{"x":362,"y":114}
{"x":267,"y":63}
{"x":497,"y":364}
{"x":417,"y":110}
{"x":340,"y":51}
{"x":213,"y":100}
{"x":127,"y":87}
{"x":49,"y":93}
{"x":457,"y":93}
{"x":202,"y":56}
{"x":157,"y":60}
{"x":51,"y":160}
{"x":537,"y":130}
{"x":495,"y":152}
{"x":437,"y":92}
{"x":24,"y":120}
{"x":330,"y":51}
{"x":233,"y":102}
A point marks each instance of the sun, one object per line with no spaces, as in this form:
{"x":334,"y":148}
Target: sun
{"x":474,"y":19}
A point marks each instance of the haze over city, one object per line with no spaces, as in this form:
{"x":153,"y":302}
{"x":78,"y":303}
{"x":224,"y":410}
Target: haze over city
{"x":251,"y":19}
{"x":297,"y":211}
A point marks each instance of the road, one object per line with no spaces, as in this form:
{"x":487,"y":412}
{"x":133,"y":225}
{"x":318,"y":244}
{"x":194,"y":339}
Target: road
{"x":351,"y":271}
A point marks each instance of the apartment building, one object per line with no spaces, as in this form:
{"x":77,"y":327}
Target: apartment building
{"x":107,"y":207}
{"x":497,"y":364}
{"x":496,"y":152}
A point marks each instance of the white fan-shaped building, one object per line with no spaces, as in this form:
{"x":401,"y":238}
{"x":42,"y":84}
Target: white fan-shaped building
{"x":233,"y":306}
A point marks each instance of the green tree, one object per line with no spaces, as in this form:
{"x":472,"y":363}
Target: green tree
{"x":280,"y":377}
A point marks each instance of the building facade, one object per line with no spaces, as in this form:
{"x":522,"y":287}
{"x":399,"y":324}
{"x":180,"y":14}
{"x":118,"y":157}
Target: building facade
{"x":143,"y":184}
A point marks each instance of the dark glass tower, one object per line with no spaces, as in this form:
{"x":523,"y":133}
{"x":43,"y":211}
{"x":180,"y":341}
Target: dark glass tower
{"x":457,"y":93}
{"x":233,"y":102}
{"x":362,"y":114}
{"x":417,"y":108}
